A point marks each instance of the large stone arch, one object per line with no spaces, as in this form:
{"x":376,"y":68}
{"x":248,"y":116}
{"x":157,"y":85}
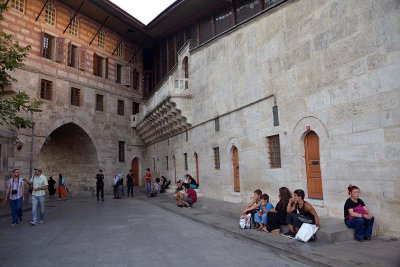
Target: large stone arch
{"x":297,"y":150}
{"x":70,"y":149}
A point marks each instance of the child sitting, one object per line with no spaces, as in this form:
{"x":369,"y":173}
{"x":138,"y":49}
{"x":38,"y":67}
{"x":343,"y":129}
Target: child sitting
{"x":261,"y":216}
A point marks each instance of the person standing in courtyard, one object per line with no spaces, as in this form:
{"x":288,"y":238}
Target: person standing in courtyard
{"x":15,"y":195}
{"x":39,"y":185}
{"x":100,"y":185}
{"x":357,"y":215}
{"x":52,"y":189}
{"x":129,"y":183}
{"x":62,"y":188}
{"x":147,"y":177}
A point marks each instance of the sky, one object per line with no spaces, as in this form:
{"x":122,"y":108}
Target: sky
{"x":143,"y":10}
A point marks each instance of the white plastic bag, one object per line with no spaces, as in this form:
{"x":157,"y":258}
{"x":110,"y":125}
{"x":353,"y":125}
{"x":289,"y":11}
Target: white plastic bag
{"x":242,"y":223}
{"x":306,"y":231}
{"x":245,"y":223}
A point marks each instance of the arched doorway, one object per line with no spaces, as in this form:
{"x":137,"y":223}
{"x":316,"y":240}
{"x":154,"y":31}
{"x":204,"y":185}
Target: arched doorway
{"x":313,"y":169}
{"x":70,"y":151}
{"x":196,"y":157}
{"x":185,"y":66}
{"x":236,"y":174}
{"x":135,"y":171}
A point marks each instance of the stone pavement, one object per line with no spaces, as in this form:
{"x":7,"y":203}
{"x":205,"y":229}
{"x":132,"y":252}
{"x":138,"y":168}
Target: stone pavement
{"x":224,"y":216}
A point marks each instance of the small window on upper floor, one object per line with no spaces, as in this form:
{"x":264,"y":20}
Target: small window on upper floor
{"x":46,"y":88}
{"x":120,"y":49}
{"x":99,"y":102}
{"x":74,"y":27}
{"x":101,"y":38}
{"x":135,"y":79}
{"x":274,"y":151}
{"x":121,"y":151}
{"x":100,"y":66}
{"x":50,"y":14}
{"x":18,"y":5}
{"x":75,"y":96}
{"x":121,"y":108}
{"x":49,"y":46}
{"x":246,"y":9}
{"x":186,"y":161}
{"x":118,"y":72}
{"x":135,"y":108}
{"x":216,"y":158}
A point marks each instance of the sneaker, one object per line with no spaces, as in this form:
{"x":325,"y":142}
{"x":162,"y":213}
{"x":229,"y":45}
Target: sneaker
{"x":367,"y":238}
{"x":41,"y":221}
{"x":288,"y":234}
{"x":32,"y":223}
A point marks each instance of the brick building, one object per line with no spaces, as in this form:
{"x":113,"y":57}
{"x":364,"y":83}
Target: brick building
{"x":242,"y":94}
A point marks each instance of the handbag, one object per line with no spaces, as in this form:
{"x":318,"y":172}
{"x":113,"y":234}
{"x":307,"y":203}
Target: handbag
{"x":306,"y":231}
{"x":359,"y":210}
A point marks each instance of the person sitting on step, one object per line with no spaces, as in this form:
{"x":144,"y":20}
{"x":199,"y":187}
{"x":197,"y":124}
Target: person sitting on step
{"x":188,"y":198}
{"x":156,"y":188}
{"x":277,"y":216}
{"x":357,"y":215}
{"x":192,"y":183}
{"x":262,"y":215}
{"x":299,"y":212}
{"x":253,"y":205}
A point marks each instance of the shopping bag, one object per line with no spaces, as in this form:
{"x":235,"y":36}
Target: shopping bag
{"x":306,"y":231}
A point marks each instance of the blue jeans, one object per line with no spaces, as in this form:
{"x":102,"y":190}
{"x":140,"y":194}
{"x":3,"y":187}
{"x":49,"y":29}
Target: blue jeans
{"x":148,"y":187}
{"x":362,"y":227}
{"x":16,"y":210}
{"x":188,"y":200}
{"x":35,"y":201}
{"x":261,"y":219}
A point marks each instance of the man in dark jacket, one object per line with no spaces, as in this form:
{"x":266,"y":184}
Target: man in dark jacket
{"x":100,"y":185}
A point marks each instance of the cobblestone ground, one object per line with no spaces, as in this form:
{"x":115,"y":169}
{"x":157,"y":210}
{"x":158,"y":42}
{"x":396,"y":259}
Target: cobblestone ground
{"x":126,"y":232}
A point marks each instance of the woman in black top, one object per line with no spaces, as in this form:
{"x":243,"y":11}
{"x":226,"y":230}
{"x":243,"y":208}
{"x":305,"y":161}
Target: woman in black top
{"x":277,"y":216}
{"x":357,"y":215}
{"x":52,"y":189}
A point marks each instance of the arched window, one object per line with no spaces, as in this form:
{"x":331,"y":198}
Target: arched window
{"x":18,"y":5}
{"x":185,"y":68}
{"x":74,"y":27}
{"x":101,"y":39}
{"x":50,"y":14}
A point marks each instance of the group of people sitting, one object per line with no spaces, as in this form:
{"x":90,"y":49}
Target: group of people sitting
{"x":185,"y":194}
{"x":294,"y":211}
{"x":160,"y":186}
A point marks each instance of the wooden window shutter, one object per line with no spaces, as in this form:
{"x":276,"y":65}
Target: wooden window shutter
{"x":82,"y":58}
{"x":106,"y":68}
{"x":60,"y":46}
{"x":69,"y":54}
{"x":127,"y":75}
{"x":95,"y":65}
{"x":42,"y":45}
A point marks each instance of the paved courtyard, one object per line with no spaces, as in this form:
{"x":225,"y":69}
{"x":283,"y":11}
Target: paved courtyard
{"x":126,"y":232}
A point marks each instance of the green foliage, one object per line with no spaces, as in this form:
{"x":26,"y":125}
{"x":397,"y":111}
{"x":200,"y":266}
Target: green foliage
{"x":12,"y":55}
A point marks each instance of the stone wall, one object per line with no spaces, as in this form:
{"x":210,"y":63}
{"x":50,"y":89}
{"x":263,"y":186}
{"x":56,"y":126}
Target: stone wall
{"x":334,"y":67}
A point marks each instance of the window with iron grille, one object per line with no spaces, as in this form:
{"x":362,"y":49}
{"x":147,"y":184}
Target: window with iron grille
{"x":50,"y":14}
{"x":99,"y":102}
{"x":100,"y":66}
{"x":205,"y":30}
{"x":46,"y":88}
{"x":274,"y":151}
{"x":74,"y":27}
{"x":186,"y":161}
{"x":216,"y":158}
{"x":135,"y":108}
{"x":101,"y":37}
{"x":121,"y":108}
{"x":246,"y":9}
{"x":75,"y":96}
{"x":216,"y":124}
{"x":18,"y":5}
{"x":223,"y":19}
{"x":74,"y":56}
{"x":121,"y":151}
{"x":167,"y":163}
{"x":268,"y":3}
{"x":49,"y":46}
{"x":135,"y":79}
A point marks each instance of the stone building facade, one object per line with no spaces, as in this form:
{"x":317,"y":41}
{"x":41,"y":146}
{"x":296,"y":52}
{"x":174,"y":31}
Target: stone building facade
{"x":240,"y":94}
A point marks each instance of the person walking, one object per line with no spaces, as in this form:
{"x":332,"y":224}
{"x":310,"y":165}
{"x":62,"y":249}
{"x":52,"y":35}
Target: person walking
{"x":15,"y":194}
{"x":129,"y":183}
{"x":147,"y":177}
{"x":100,"y":185}
{"x":52,"y":189}
{"x":62,"y":188}
{"x":39,"y":185}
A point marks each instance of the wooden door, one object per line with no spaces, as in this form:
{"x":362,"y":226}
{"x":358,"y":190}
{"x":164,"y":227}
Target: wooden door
{"x":135,"y":171}
{"x":314,"y":179}
{"x":196,"y":157}
{"x":236,"y":174}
